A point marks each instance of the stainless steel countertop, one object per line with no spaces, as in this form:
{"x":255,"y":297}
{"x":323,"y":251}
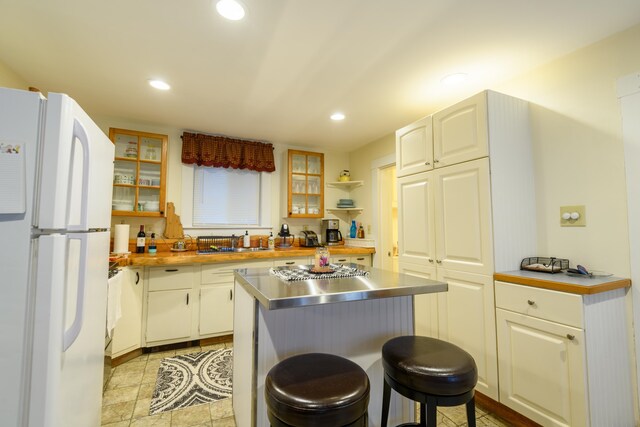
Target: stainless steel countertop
{"x":274,"y":293}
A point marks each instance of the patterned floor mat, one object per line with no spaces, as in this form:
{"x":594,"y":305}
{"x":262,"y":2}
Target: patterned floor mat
{"x":192,"y":379}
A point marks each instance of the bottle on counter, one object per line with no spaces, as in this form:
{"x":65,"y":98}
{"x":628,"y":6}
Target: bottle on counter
{"x":140,"y":240}
{"x":247,"y":240}
{"x":360,"y":231}
{"x":271,"y":243}
{"x":152,"y":244}
{"x":353,"y":230}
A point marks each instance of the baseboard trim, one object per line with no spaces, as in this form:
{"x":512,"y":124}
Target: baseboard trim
{"x":126,"y":357}
{"x":216,"y":340}
{"x":504,"y":412}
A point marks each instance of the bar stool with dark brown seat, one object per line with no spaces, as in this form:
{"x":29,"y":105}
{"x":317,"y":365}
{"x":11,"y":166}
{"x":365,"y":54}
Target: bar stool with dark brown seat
{"x":430,"y":371}
{"x":317,"y":389}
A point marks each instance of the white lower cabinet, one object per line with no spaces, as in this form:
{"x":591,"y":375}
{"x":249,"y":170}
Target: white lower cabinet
{"x":169,"y":315}
{"x":127,"y":335}
{"x":466,"y":318}
{"x":563,"y":357}
{"x":425,"y":306}
{"x":216,"y":310}
{"x":170,"y":304}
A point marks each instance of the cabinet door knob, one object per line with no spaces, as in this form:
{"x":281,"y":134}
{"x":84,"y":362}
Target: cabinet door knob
{"x":570,"y":337}
{"x":427,"y":163}
{"x":430,"y":260}
{"x":388,"y":254}
{"x":530,"y":302}
{"x":436,"y":161}
{"x":439,"y":261}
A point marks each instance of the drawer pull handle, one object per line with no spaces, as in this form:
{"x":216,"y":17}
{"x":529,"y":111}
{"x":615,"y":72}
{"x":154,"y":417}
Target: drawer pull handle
{"x":570,"y":337}
{"x":290,"y":262}
{"x":187,"y":299}
{"x":137,"y":277}
{"x":230,"y":294}
{"x":531,"y":302}
{"x":171,"y":270}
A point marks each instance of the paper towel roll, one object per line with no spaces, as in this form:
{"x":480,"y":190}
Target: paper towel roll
{"x":121,"y":239}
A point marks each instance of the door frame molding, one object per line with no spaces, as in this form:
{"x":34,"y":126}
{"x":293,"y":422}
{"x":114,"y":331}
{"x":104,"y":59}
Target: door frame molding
{"x":376,"y":171}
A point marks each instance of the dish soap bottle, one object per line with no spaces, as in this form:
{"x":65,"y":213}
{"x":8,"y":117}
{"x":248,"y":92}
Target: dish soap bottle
{"x":247,"y":240}
{"x":353,"y":230}
{"x":270,"y":241}
{"x":152,"y":244}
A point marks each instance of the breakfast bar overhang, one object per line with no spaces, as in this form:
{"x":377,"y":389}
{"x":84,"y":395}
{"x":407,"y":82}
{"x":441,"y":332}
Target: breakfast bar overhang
{"x":351,"y":317}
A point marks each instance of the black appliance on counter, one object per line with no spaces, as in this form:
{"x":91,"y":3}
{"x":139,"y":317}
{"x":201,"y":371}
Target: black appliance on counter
{"x":330,"y":232}
{"x":309,"y":239}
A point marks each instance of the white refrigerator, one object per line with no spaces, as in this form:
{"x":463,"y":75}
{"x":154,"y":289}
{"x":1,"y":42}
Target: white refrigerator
{"x":56,"y":168}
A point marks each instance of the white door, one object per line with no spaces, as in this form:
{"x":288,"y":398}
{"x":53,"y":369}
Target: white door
{"x":216,"y":309}
{"x":467,"y":319}
{"x":425,"y":306}
{"x":460,"y":132}
{"x":414,"y":148}
{"x":463,"y":217}
{"x":69,"y":328}
{"x":169,"y":315}
{"x":542,"y":369}
{"x":416,"y":228}
{"x":77,"y":169}
{"x":127,"y":335}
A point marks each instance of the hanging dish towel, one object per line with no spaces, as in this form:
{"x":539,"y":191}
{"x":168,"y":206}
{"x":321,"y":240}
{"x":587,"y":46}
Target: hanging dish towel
{"x":339,"y":271}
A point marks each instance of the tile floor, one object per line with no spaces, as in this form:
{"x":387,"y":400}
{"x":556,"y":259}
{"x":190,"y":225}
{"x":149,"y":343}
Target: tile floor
{"x":128,"y":394}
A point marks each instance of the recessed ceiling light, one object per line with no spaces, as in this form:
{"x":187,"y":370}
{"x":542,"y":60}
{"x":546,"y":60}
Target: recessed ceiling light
{"x":454,"y":79}
{"x":159,"y":84}
{"x":337,"y":116}
{"x":230,"y":9}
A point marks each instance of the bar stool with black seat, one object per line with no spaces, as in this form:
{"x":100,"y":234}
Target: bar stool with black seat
{"x":317,"y":389}
{"x":430,"y":371}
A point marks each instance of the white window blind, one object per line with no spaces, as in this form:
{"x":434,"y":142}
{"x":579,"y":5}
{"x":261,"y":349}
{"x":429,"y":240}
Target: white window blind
{"x":224,"y":196}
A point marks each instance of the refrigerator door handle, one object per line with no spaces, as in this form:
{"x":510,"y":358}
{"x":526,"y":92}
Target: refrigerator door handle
{"x":71,"y":334}
{"x":80,"y":133}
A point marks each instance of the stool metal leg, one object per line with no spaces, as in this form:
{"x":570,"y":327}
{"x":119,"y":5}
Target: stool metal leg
{"x":423,"y":415}
{"x":432,"y":407}
{"x":386,"y":398}
{"x":471,"y":412}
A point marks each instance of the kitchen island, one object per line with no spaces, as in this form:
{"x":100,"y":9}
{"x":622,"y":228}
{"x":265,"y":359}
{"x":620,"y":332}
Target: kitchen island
{"x":350,"y":317}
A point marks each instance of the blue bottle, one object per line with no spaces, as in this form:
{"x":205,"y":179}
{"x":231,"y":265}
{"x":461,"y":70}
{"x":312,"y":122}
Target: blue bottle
{"x":353,"y":230}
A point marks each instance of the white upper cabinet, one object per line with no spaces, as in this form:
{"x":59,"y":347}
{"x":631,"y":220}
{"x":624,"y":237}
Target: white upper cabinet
{"x":416,"y":226}
{"x":414,"y":151}
{"x":460,"y":132}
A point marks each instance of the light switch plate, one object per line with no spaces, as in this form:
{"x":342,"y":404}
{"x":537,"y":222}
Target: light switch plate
{"x":580,"y":222}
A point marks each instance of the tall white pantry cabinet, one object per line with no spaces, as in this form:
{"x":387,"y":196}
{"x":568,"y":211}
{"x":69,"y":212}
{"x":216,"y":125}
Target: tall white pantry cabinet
{"x":466,"y":208}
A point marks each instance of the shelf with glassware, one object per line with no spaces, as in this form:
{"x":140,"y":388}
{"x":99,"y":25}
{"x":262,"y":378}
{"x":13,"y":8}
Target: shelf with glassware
{"x":347,"y":186}
{"x":139,"y":177}
{"x":305,"y":190}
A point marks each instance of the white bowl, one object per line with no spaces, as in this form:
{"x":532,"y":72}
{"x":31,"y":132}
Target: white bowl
{"x":122,"y":207}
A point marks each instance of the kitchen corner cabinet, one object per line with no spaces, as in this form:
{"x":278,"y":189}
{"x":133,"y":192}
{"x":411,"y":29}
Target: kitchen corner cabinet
{"x":305,"y":188}
{"x":564,"y":358}
{"x":127,"y":335}
{"x":170,"y":304}
{"x":465,"y":216}
{"x":139,"y":177}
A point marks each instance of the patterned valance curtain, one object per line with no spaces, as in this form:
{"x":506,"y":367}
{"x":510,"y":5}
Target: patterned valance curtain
{"x":224,"y":152}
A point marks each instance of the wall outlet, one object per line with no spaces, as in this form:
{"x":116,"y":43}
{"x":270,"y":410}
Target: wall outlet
{"x":573,"y":216}
{"x":305,"y":227}
{"x":368,"y":228}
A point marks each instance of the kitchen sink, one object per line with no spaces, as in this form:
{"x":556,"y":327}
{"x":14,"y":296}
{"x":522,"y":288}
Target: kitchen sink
{"x":231,"y":250}
{"x":251,"y":249}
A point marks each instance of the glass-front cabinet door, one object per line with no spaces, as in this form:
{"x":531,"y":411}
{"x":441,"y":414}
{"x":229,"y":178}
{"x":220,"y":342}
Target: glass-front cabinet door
{"x":139,"y":176}
{"x":306,"y":184}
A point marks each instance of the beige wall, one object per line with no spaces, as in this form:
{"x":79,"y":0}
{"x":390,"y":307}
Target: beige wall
{"x":8,"y":78}
{"x":578,"y":151}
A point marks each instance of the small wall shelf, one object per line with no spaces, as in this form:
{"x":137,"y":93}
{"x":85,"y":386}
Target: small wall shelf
{"x":356,"y":210}
{"x":347,"y":185}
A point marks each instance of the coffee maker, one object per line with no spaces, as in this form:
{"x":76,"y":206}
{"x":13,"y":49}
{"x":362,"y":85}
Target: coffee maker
{"x":330,"y":232}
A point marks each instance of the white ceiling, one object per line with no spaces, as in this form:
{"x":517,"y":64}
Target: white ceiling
{"x":278,"y":74}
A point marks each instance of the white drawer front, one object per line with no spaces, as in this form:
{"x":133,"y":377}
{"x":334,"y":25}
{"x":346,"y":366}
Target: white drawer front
{"x":287,"y":262}
{"x":170,"y":277}
{"x":545,"y":304}
{"x":218,"y":273}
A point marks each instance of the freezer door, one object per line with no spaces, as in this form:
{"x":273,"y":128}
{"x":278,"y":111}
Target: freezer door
{"x":70,"y":321}
{"x":76,"y":170}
